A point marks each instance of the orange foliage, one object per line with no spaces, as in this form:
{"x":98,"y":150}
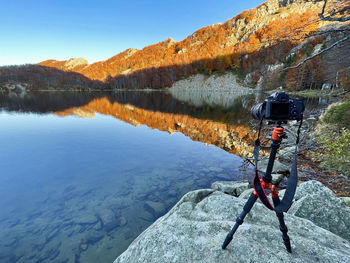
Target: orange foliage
{"x":206,"y":131}
{"x":206,"y":50}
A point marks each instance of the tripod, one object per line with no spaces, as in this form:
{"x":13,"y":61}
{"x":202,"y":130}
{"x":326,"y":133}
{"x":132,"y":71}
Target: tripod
{"x":277,"y":136}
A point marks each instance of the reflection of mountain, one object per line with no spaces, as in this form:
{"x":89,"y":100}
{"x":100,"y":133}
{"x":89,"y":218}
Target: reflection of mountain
{"x":233,"y":138}
{"x":45,"y":102}
{"x":224,"y":123}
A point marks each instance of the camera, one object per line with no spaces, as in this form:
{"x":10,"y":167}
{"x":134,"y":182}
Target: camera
{"x":279,"y":107}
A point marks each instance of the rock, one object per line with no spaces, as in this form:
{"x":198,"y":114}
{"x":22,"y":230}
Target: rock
{"x":248,"y":79}
{"x":195,"y":228}
{"x":158,"y":207}
{"x":326,"y":87}
{"x":346,"y":200}
{"x":86,"y":219}
{"x":319,"y":204}
{"x":278,"y":167}
{"x":316,"y":50}
{"x":246,"y":193}
{"x":201,"y":90}
{"x":281,"y":193}
{"x":277,"y":178}
{"x":83,"y":246}
{"x":287,"y":154}
{"x":234,"y":188}
{"x":74,"y":62}
{"x":108,"y":219}
{"x":94,"y":236}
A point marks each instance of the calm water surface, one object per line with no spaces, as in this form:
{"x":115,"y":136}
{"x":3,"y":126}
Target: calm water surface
{"x":82,"y":175}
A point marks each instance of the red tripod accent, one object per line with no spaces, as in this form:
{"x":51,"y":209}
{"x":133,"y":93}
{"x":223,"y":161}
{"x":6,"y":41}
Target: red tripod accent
{"x":272,"y":187}
{"x":278,"y":133}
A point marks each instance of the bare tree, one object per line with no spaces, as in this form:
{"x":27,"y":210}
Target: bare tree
{"x":337,"y":10}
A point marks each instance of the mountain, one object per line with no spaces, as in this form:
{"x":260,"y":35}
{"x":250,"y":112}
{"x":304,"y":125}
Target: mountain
{"x":257,"y":44}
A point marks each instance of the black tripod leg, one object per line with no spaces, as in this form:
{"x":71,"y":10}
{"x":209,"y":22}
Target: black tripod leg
{"x":283,"y":226}
{"x":239,"y":221}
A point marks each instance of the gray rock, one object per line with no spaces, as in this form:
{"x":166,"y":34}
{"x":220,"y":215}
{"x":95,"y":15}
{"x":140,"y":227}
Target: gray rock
{"x":234,"y":188}
{"x":326,"y":87}
{"x":246,"y":193}
{"x":346,"y":200}
{"x":319,"y":204}
{"x":276,"y":178}
{"x":278,"y":167}
{"x":287,"y":154}
{"x":195,"y":228}
{"x":248,"y":79}
{"x":281,"y":193}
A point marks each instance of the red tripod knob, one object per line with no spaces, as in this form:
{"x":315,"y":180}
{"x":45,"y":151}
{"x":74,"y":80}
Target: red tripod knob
{"x":277,"y":133}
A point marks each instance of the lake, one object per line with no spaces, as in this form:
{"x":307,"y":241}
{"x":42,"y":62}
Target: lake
{"x":83,"y":174}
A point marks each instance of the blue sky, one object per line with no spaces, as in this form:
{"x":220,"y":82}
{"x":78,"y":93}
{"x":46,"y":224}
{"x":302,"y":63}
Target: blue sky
{"x":35,"y":30}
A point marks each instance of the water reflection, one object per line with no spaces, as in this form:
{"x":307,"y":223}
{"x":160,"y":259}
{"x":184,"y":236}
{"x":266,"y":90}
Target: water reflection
{"x":231,"y":137}
{"x":221,"y":124}
{"x":81,"y":189}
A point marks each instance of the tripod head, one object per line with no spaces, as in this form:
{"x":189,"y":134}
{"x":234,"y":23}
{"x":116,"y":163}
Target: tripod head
{"x":277,"y":123}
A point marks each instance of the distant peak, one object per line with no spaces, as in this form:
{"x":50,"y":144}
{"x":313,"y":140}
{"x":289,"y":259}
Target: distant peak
{"x":170,"y":41}
{"x":73,"y":62}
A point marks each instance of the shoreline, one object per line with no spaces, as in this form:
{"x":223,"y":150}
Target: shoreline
{"x":194,"y":229}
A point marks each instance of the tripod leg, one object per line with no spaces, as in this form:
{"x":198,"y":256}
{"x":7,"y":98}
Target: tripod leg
{"x":283,"y":226}
{"x":239,"y":221}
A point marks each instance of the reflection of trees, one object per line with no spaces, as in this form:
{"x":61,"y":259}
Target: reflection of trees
{"x":42,"y":102}
{"x":230,"y":137}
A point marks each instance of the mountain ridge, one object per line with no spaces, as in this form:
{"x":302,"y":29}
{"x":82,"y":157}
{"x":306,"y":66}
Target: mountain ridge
{"x":259,"y":44}
{"x":251,"y":20}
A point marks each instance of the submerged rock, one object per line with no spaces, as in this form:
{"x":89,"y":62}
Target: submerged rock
{"x":195,"y":228}
{"x":108,"y":219}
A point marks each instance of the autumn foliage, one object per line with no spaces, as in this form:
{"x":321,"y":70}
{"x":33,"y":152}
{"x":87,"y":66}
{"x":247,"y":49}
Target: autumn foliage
{"x":204,"y":130}
{"x":240,"y":44}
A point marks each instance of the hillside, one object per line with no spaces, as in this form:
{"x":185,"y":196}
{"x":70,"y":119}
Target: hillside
{"x":256,"y":44}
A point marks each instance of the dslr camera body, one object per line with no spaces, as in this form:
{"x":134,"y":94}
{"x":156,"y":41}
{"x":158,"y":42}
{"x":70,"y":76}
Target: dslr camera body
{"x":279,"y":107}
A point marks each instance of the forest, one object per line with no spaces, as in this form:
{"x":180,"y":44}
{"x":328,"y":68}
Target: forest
{"x":271,"y":44}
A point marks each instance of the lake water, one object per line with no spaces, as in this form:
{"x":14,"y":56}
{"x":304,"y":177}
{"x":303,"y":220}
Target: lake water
{"x":83,"y":174}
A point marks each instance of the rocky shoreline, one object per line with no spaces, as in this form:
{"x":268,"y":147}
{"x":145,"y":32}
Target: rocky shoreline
{"x":216,"y":89}
{"x":194,"y":229}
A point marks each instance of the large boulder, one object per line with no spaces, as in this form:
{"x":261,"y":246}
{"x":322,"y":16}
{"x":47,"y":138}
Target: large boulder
{"x":195,"y":228}
{"x":319,"y":204}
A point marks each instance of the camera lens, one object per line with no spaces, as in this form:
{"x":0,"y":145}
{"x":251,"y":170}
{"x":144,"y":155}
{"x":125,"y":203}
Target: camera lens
{"x":258,"y":111}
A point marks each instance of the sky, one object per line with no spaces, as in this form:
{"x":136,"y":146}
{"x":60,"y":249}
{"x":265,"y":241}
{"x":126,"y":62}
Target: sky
{"x":36,"y":30}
